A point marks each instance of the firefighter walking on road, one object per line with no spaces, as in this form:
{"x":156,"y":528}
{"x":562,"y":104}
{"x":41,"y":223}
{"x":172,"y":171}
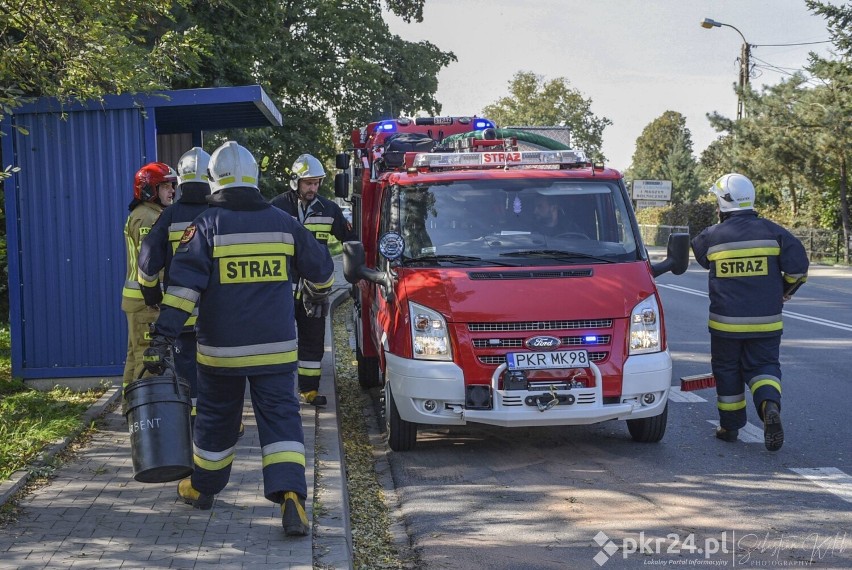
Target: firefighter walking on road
{"x":159,"y":246}
{"x":755,"y":266}
{"x":236,"y":262}
{"x":324,"y":219}
{"x":153,"y":189}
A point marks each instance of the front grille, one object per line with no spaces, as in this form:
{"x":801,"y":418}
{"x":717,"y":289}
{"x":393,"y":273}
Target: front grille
{"x":540,"y":325}
{"x":519,"y":342}
{"x":497,"y":360}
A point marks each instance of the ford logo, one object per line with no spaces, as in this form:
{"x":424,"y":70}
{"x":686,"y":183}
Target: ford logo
{"x":539,"y":342}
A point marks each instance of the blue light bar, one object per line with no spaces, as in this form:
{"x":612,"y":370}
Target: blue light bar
{"x":591,"y":339}
{"x":386,"y":126}
{"x":479,"y":124}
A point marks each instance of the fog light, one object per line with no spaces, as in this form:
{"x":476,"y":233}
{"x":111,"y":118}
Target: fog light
{"x":430,"y":405}
{"x":649,"y":398}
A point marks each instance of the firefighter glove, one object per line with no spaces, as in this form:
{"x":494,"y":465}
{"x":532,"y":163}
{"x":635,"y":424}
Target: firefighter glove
{"x":316,"y":309}
{"x":155,"y":356}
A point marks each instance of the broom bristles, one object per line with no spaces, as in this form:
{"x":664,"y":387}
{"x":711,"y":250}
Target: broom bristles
{"x":697,"y":382}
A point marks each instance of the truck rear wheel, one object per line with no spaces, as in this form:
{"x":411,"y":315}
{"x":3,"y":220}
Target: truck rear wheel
{"x":402,"y":435}
{"x":368,"y":370}
{"x":649,"y":430}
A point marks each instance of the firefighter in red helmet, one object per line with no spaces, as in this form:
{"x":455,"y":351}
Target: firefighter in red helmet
{"x":153,"y":189}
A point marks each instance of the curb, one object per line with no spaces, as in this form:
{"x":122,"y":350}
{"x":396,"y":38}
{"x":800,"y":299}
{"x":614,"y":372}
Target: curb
{"x":332,"y":529}
{"x":21,"y":477}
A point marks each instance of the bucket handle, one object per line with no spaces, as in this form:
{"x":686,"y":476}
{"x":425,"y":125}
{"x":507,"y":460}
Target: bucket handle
{"x":170,"y":365}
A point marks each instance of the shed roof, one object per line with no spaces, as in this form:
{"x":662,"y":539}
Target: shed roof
{"x":184,"y":110}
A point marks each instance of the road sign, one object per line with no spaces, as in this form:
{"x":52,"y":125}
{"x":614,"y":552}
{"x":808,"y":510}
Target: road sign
{"x":652,"y":189}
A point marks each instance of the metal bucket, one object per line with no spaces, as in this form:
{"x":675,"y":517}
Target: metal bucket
{"x":157,"y":412}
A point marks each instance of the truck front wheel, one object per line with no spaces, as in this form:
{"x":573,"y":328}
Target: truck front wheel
{"x":402,"y":435}
{"x":649,"y":430}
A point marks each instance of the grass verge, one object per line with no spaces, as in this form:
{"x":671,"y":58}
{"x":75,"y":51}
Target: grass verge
{"x":31,"y":420}
{"x":372,"y":542}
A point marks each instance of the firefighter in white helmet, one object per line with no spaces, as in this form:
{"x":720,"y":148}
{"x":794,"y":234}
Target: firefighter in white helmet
{"x":159,"y":246}
{"x":324,"y":219}
{"x":236,"y":262}
{"x":755,"y":266}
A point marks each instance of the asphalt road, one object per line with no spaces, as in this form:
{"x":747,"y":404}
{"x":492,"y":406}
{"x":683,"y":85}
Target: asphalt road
{"x":477,"y":497}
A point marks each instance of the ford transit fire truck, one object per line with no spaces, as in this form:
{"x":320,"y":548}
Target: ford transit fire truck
{"x":500,"y":283}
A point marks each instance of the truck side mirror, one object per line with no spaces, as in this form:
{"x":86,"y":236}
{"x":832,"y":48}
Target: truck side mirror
{"x":677,"y":256}
{"x":355,"y":268}
{"x":341,"y":161}
{"x":341,"y":185}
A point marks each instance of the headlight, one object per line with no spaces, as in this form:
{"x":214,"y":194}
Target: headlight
{"x":645,"y":327}
{"x":430,"y":339}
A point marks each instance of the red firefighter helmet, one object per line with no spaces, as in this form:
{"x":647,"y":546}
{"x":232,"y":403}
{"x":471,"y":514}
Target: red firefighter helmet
{"x":149,"y":177}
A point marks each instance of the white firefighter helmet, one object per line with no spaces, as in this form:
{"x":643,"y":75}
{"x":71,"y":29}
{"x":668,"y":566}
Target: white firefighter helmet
{"x":192,"y":166}
{"x":734,"y":192}
{"x":306,"y":166}
{"x":232,"y":165}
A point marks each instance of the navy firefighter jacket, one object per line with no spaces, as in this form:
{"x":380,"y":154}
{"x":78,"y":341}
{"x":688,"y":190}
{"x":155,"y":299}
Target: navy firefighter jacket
{"x":236,"y":262}
{"x":322,"y":216}
{"x":159,"y":245}
{"x":752,"y":263}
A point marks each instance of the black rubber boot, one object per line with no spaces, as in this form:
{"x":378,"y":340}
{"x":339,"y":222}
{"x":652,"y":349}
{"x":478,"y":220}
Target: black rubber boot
{"x":729,"y":435}
{"x":773,"y":433}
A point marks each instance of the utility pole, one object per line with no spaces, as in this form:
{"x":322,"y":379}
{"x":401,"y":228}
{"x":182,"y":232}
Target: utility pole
{"x":745,"y":54}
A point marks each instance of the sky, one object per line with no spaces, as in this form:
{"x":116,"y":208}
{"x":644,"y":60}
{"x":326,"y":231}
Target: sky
{"x":635,"y":59}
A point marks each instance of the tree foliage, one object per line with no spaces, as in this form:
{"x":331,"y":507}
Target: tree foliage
{"x":664,"y":152}
{"x":532,"y":101}
{"x":85,"y":49}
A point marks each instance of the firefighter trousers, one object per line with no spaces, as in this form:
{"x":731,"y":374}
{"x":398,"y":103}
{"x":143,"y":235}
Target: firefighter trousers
{"x":279,"y":425}
{"x":741,"y":362}
{"x":311,"y":338}
{"x":185,"y":350}
{"x":138,"y":339}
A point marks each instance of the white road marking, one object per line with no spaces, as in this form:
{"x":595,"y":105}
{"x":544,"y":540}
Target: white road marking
{"x":675,"y":395}
{"x":787,"y":314}
{"x":829,"y":478}
{"x":748,"y":434}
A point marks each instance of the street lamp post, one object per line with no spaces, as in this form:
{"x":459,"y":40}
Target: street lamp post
{"x":745,"y":53}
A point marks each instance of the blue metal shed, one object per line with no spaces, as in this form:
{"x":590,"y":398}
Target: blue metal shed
{"x":66,"y":208}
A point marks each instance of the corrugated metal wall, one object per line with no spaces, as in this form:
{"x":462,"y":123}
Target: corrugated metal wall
{"x":171,"y":147}
{"x":66,"y":245}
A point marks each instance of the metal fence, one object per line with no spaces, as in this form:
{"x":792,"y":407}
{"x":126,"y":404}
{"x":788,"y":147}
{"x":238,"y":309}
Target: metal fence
{"x":821,"y":245}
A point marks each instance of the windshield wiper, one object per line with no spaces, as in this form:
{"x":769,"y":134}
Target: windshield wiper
{"x":461,"y":259}
{"x":554,"y":254}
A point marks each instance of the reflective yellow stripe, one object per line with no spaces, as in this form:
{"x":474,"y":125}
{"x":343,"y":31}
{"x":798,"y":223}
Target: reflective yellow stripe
{"x":748,"y":252}
{"x":191,"y":321}
{"x":178,"y":302}
{"x":240,"y":361}
{"x":732,"y":406}
{"x":310,"y":371}
{"x":765,"y":382}
{"x":132,"y":293}
{"x":213,"y":465}
{"x":284,"y":457}
{"x":150,"y":284}
{"x":252,"y":249}
{"x":762,"y":327}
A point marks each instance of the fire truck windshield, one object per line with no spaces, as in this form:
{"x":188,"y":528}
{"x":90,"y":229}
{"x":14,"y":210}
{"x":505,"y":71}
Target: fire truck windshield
{"x":488,"y":219}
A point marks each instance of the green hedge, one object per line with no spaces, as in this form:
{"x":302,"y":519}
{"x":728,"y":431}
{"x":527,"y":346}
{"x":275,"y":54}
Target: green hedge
{"x":697,"y":215}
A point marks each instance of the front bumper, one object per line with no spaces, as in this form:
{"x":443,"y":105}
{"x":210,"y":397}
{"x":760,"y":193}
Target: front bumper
{"x":428,"y":392}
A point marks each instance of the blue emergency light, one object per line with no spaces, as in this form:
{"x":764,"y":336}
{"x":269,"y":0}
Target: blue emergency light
{"x":591,"y":339}
{"x":386,"y":126}
{"x":480,"y":124}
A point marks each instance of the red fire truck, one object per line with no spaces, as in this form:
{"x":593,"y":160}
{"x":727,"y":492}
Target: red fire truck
{"x":498,"y":285}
